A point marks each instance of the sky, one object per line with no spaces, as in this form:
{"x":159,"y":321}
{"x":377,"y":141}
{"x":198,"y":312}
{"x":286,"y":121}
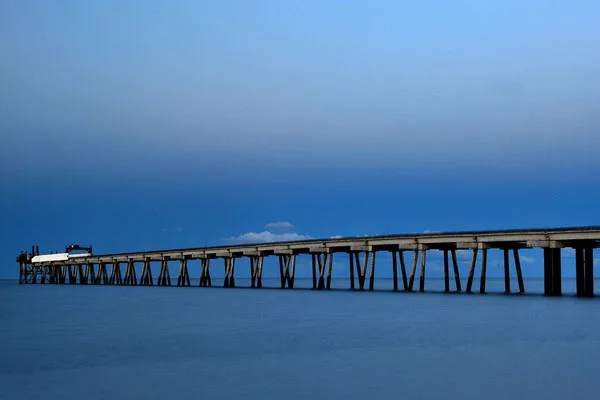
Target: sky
{"x":134,"y":125}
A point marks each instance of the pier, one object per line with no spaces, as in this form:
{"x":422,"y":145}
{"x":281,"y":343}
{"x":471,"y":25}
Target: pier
{"x":408,"y":251}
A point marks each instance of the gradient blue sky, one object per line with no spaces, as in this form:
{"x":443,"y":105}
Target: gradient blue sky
{"x":135,"y":125}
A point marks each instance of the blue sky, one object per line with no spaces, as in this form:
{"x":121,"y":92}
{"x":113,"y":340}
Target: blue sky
{"x":133,"y":125}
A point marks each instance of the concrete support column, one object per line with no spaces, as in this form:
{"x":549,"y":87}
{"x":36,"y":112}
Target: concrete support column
{"x":314,"y":270}
{"x":413,"y":270}
{"x":229,"y":264}
{"x":518,"y":268}
{"x":483,"y":270}
{"x":506,"y":272}
{"x":423,"y":263}
{"x":456,"y":273}
{"x":584,"y":268}
{"x":329,"y":271}
{"x":446,"y":273}
{"x":580,"y":271}
{"x":472,"y":271}
{"x":552,"y":272}
{"x":395,"y":270}
{"x":351,"y":263}
{"x":292,"y":273}
{"x":589,"y":272}
{"x":372,"y":275}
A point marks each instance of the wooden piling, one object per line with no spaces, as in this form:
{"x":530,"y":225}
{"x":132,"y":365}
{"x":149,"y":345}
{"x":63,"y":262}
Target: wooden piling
{"x":518,"y":268}
{"x":72,"y":275}
{"x":358,"y":269}
{"x":253,"y":271}
{"x":580,"y":271}
{"x":205,"y":280}
{"x":506,"y":272}
{"x":164,"y":277}
{"x":329,"y":270}
{"x":82,"y":277}
{"x":483,"y":271}
{"x":54,"y":274}
{"x":184,"y":277}
{"x":101,"y":278}
{"x":130,"y":275}
{"x":232,"y":273}
{"x":372,"y":275}
{"x":351,"y":263}
{"x":589,"y":271}
{"x":472,"y":271}
{"x":322,"y":263}
{"x":403,"y":269}
{"x":259,"y":272}
{"x":395,"y":270}
{"x":90,"y":274}
{"x":115,"y":274}
{"x":552,"y":272}
{"x":413,"y":270}
{"x":556,"y":272}
{"x":63,"y":274}
{"x":282,"y":275}
{"x":229,"y":263}
{"x":446,"y":273}
{"x":314,"y":270}
{"x":284,"y":262}
{"x":292,"y":272}
{"x":456,"y":273}
{"x":423,"y":261}
{"x":362,"y":269}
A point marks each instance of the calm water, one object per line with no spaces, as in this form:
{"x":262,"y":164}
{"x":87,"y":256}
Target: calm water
{"x":103,"y":342}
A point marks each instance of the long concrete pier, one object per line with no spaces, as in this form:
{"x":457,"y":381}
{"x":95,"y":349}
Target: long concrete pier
{"x":360,"y":253}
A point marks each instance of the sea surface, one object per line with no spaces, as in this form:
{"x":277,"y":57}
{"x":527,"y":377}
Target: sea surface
{"x":109,"y":342}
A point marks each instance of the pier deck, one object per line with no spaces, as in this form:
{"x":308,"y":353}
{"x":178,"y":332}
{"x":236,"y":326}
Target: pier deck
{"x":360,"y":252}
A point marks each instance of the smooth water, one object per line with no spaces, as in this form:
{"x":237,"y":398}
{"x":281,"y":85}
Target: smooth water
{"x":107,"y":342}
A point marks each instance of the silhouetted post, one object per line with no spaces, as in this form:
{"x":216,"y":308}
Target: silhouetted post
{"x":580,"y":271}
{"x":506,"y":272}
{"x":395,"y":270}
{"x":413,"y":270}
{"x":483,"y":270}
{"x":403,"y":269}
{"x":329,"y":270}
{"x":423,"y":261}
{"x":456,"y":274}
{"x":589,"y":272}
{"x":351,"y":264}
{"x":291,"y":276}
{"x":518,"y":268}
{"x":446,"y":273}
{"x":372,"y":275}
{"x":472,"y":271}
{"x":314,"y":270}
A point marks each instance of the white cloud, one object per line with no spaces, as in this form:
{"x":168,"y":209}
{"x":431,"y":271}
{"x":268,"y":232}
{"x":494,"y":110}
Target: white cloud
{"x":336,"y":237}
{"x":527,"y":260}
{"x":267,"y":236}
{"x":279,"y":226}
{"x":426,"y":231}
